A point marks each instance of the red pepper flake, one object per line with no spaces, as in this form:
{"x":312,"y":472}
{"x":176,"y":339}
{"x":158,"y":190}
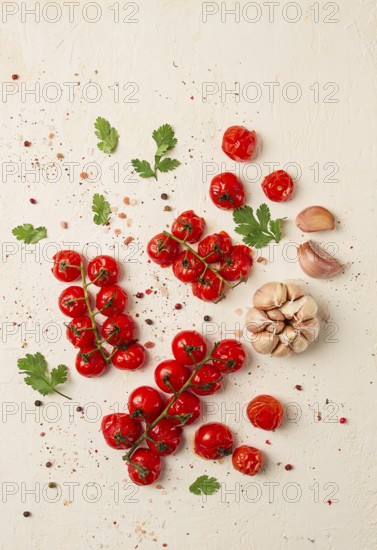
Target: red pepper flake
{"x":329,"y":502}
{"x":148,"y":291}
{"x":298,"y":387}
{"x":192,"y":97}
{"x":128,"y":240}
{"x":122,"y":215}
{"x":64,"y":225}
{"x":51,"y":136}
{"x":126,"y":200}
{"x":33,"y":201}
{"x":139,"y":295}
{"x":178,"y":306}
{"x":117,"y":231}
{"x":15,"y":77}
{"x":159,"y":486}
{"x":261,"y":260}
{"x":84,"y":175}
{"x":149,"y":345}
{"x":27,"y":143}
{"x":343,"y":420}
{"x":42,"y":434}
{"x":288,"y":467}
{"x":268,"y":442}
{"x":114,"y":522}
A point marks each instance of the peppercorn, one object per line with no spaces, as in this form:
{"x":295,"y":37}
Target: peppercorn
{"x":207,"y":318}
{"x":167,"y":208}
{"x":48,"y":464}
{"x":38,"y":403}
{"x":26,"y":514}
{"x":52,"y":485}
{"x":149,"y":321}
{"x":79,"y":409}
{"x":139,"y":295}
{"x":178,"y":306}
{"x":164,"y":196}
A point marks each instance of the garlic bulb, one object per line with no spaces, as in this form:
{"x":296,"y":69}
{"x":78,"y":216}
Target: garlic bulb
{"x":283,"y":320}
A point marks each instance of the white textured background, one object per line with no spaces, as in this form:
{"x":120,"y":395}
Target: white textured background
{"x":170,"y":53}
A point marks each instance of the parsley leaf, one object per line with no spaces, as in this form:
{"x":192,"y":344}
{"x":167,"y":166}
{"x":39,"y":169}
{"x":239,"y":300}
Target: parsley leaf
{"x":165,"y":140}
{"x":205,"y":485}
{"x":257,"y":231}
{"x":38,"y":377}
{"x":29,"y":234}
{"x":101,"y":209}
{"x":107,"y":134}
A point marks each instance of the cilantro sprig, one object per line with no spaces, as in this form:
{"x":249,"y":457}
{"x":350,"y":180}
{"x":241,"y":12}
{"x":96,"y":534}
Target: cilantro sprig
{"x":166,"y":141}
{"x":38,"y":376}
{"x":260,"y":230}
{"x":29,"y":234}
{"x":101,"y":209}
{"x":205,"y":485}
{"x":107,"y":135}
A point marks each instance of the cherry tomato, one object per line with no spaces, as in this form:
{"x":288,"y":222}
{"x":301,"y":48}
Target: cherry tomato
{"x":189,"y":347}
{"x":103,"y":270}
{"x":166,"y":438}
{"x":236,"y":265}
{"x":213,"y":440}
{"x":90,"y":362}
{"x":163,"y":250}
{"x":265,"y":412}
{"x":145,"y":403}
{"x":80,"y":332}
{"x":131,"y":357}
{"x":188,"y":226}
{"x":170,"y":375}
{"x":120,"y":430}
{"x":213,"y":247}
{"x":230,"y":356}
{"x":239,"y":143}
{"x":187,"y":267}
{"x":209,"y":287}
{"x":207,"y":380}
{"x":227,"y":191}
{"x":71,"y":301}
{"x":111,"y":300}
{"x":66,"y":266}
{"x":185,"y":409}
{"x":147,"y":469}
{"x":119,"y":329}
{"x":278,"y":186}
{"x":247,"y":460}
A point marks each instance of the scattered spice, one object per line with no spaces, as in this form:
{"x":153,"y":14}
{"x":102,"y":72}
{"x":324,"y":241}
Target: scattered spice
{"x":148,"y":291}
{"x":268,"y":442}
{"x":33,"y":201}
{"x":64,"y":225}
{"x":329,"y":502}
{"x":167,"y":208}
{"x":48,"y":464}
{"x":343,"y":420}
{"x":139,"y":295}
{"x":149,"y":345}
{"x":149,"y":321}
{"x":27,"y":143}
{"x":15,"y":77}
{"x":38,"y":403}
{"x":126,"y":200}
{"x":84,"y":175}
{"x":26,"y":514}
{"x":288,"y":467}
{"x":206,"y":318}
{"x":59,"y":155}
{"x":298,"y":387}
{"x":178,"y":306}
{"x":122,"y":215}
{"x":128,"y":240}
{"x":164,"y":196}
{"x":79,"y":409}
{"x":52,"y":485}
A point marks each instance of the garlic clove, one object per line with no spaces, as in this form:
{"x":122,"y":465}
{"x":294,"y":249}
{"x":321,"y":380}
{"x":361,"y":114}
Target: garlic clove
{"x":256,"y":320}
{"x":264,"y":342}
{"x":309,"y":329}
{"x":282,"y":350}
{"x":270,"y":296}
{"x":315,"y":218}
{"x":275,"y":315}
{"x":316,"y":262}
{"x":294,"y":291}
{"x":289,"y":309}
{"x":276,"y":328}
{"x":288,"y":335}
{"x":308,"y":309}
{"x":299,"y":344}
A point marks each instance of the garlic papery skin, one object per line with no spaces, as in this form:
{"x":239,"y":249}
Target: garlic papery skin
{"x":315,"y":218}
{"x":299,"y":344}
{"x":294,"y":291}
{"x":309,"y":328}
{"x":288,"y":335}
{"x":289,"y":309}
{"x":276,"y":328}
{"x":275,"y":315}
{"x":282,"y":350}
{"x":308,"y":309}
{"x":270,"y":296}
{"x":316,"y":262}
{"x":264,"y":342}
{"x":257,"y":320}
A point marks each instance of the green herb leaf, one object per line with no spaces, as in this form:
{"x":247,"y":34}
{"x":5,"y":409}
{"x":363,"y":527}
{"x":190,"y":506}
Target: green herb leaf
{"x":107,"y":134}
{"x":205,"y":485}
{"x":101,"y":209}
{"x":164,"y":137}
{"x":165,"y":141}
{"x":143,"y":168}
{"x":168,"y":164}
{"x":257,"y":232}
{"x":29,"y":234}
{"x":37,"y":375}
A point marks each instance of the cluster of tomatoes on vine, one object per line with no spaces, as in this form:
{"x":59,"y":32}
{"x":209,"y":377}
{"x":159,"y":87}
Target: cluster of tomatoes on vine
{"x":93,"y":340}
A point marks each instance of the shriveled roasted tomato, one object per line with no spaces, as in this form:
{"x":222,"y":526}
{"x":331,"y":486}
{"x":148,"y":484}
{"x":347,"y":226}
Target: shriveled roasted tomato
{"x":207,"y":380}
{"x":213,"y":441}
{"x":66,"y":266}
{"x":209,"y":287}
{"x":103,"y":270}
{"x":247,"y":460}
{"x":131,"y":357}
{"x":187,"y":267}
{"x":163,"y":250}
{"x":71,"y":301}
{"x":119,"y":329}
{"x":146,"y":467}
{"x":189,"y":347}
{"x":237,"y":264}
{"x":278,"y":186}
{"x":227,"y":191}
{"x":229,"y":356}
{"x":188,"y":226}
{"x":80,"y":332}
{"x":213,"y":247}
{"x":90,"y":362}
{"x":120,"y":430}
{"x":166,"y":438}
{"x":111,"y":300}
{"x":239,"y":143}
{"x":185,"y":409}
{"x":265,"y":411}
{"x":171,"y":375}
{"x":145,"y":403}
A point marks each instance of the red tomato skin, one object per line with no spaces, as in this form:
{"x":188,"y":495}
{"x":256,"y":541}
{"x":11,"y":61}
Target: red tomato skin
{"x":167,"y":438}
{"x":247,"y":460}
{"x":239,"y":143}
{"x":207,"y":381}
{"x":131,"y":358}
{"x":163,"y":250}
{"x":187,"y":406}
{"x":71,"y":302}
{"x":91,"y":365}
{"x":145,"y":403}
{"x":208,"y":288}
{"x":80,"y":332}
{"x":116,"y":295}
{"x":213,"y":441}
{"x":189,"y":347}
{"x":189,"y":227}
{"x":213,"y":247}
{"x":148,"y":460}
{"x":62,"y":261}
{"x":227,"y":192}
{"x":119,"y":330}
{"x":265,"y":412}
{"x":120,"y":430}
{"x":278,"y":186}
{"x":233,"y":353}
{"x":236,"y":264}
{"x":187,"y":267}
{"x":174,"y":371}
{"x":103,"y":271}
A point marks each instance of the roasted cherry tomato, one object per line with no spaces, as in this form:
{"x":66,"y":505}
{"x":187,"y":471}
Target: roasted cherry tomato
{"x":213,"y":247}
{"x":71,"y":301}
{"x":187,"y":267}
{"x":103,"y":270}
{"x":237,"y":264}
{"x":145,"y":403}
{"x":166,"y":438}
{"x":148,"y":467}
{"x":207,"y":380}
{"x":278,"y":186}
{"x":80,"y":332}
{"x":247,"y":460}
{"x":119,"y":329}
{"x":132,"y":357}
{"x":189,"y":347}
{"x":90,"y":362}
{"x":185,"y":409}
{"x":111,"y":300}
{"x":213,"y":440}
{"x":227,"y":191}
{"x":239,"y":143}
{"x":120,"y":430}
{"x":170,"y":375}
{"x":67,"y":265}
{"x":163,"y":250}
{"x":229,"y":356}
{"x":209,"y":287}
{"x":266,"y":412}
{"x":188,"y":227}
